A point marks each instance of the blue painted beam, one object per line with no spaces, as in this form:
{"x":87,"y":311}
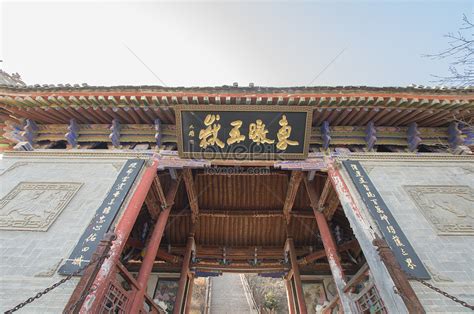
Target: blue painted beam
{"x":158,"y":133}
{"x":413,"y":137}
{"x":325,"y":134}
{"x":454,"y":135}
{"x":30,"y":131}
{"x":73,"y":133}
{"x":371,"y":135}
{"x":115,"y":133}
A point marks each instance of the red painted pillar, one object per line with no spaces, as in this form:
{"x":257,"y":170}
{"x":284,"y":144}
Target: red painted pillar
{"x":328,"y":240}
{"x":149,"y":259}
{"x":122,"y":230}
{"x":300,"y":302}
{"x":333,"y":258}
{"x":289,"y":295}
{"x":181,"y":297}
{"x":190,"y":294}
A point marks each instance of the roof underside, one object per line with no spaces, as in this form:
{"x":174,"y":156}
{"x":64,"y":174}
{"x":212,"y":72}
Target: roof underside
{"x":241,"y":218}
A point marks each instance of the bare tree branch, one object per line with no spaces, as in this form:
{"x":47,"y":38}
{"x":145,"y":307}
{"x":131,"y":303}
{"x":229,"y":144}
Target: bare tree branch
{"x":461,"y":55}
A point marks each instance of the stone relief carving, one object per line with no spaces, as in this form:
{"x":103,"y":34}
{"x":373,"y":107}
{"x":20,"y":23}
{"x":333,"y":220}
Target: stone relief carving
{"x":14,"y":166}
{"x":450,"y":209}
{"x":35,"y":205}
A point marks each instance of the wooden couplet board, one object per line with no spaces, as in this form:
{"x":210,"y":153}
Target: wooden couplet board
{"x":103,"y":218}
{"x":391,"y":231}
{"x":243,"y":132}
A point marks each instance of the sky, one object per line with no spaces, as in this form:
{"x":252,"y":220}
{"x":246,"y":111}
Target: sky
{"x":374,"y":43}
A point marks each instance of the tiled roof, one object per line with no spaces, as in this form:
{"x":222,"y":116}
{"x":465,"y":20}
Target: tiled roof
{"x":234,"y":89}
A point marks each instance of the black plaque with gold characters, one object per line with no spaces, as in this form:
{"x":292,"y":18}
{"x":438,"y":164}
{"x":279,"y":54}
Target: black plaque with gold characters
{"x":243,"y":132}
{"x":103,"y":219}
{"x":396,"y":239}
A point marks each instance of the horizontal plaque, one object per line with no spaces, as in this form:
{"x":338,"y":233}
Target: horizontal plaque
{"x":243,"y":132}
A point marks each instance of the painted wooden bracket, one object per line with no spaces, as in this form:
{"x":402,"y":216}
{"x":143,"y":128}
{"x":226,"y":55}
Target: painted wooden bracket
{"x":454,"y":135}
{"x":30,"y":131}
{"x":14,"y":132}
{"x":158,"y":133}
{"x":115,"y":134}
{"x":73,"y":133}
{"x":325,"y":134}
{"x":371,"y":135}
{"x":413,"y":137}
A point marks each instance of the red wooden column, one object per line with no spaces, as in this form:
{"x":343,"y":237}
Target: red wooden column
{"x":317,"y":204}
{"x":290,"y":247}
{"x":184,"y":278}
{"x":289,"y":295}
{"x":122,"y":231}
{"x":190,"y":293}
{"x":152,"y":249}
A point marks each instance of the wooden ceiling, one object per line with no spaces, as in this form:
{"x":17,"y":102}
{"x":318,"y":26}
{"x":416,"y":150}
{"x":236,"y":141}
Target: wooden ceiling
{"x":241,"y":216}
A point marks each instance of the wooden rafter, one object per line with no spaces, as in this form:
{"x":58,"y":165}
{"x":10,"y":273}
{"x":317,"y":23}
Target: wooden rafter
{"x":192,"y":194}
{"x":293,"y":186}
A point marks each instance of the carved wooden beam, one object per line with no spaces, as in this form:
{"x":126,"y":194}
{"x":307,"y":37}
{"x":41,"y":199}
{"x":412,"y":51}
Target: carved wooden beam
{"x":167,"y":257}
{"x":192,"y":194}
{"x":293,"y":186}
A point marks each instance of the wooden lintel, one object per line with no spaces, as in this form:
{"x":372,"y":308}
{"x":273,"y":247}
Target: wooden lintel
{"x":192,"y":194}
{"x":244,"y":213}
{"x":349,"y":245}
{"x":167,"y":257}
{"x":293,"y":186}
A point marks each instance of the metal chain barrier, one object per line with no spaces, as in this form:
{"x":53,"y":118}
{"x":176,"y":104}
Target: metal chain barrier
{"x":57,"y":284}
{"x":449,"y":296}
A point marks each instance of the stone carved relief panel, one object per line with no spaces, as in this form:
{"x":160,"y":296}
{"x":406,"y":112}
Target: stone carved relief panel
{"x":450,"y":209}
{"x":35,"y":205}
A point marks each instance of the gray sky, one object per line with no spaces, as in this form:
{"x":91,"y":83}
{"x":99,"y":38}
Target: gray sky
{"x":216,"y":43}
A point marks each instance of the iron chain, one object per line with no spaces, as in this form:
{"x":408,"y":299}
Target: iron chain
{"x":55,"y":285}
{"x":449,"y":296}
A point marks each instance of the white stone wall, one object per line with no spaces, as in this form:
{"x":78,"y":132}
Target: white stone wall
{"x":29,"y":259}
{"x":433,"y":202}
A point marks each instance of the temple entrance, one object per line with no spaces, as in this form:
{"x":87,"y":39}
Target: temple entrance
{"x":203,"y":223}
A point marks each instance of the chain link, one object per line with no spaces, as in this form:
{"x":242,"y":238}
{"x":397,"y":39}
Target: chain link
{"x":449,"y":296}
{"x":57,"y":284}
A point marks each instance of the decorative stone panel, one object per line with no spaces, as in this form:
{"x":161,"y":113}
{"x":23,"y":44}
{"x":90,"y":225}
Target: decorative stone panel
{"x":35,"y":205}
{"x":450,"y":209}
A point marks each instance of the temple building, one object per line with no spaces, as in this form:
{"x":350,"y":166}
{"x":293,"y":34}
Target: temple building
{"x":360,"y":198}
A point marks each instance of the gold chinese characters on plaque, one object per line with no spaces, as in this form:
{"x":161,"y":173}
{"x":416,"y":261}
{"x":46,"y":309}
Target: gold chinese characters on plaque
{"x":244,"y":132}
